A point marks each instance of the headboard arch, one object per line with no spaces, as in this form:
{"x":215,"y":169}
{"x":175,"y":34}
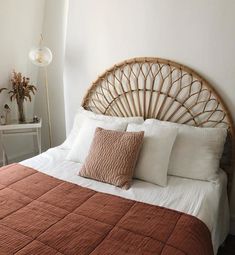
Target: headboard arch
{"x":162,"y":89}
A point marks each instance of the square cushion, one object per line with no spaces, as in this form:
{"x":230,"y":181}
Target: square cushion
{"x":112,"y":157}
{"x":152,"y":165}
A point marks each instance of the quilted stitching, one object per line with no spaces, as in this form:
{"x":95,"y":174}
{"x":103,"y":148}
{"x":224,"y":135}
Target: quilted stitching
{"x":43,"y":215}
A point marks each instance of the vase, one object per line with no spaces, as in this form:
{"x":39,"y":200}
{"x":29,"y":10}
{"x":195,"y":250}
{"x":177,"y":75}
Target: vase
{"x":21,"y":115}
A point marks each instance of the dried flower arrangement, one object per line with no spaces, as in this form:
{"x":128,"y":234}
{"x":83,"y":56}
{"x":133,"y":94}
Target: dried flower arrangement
{"x":21,"y":90}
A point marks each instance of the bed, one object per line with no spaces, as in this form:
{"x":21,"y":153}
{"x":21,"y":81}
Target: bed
{"x":148,"y":87}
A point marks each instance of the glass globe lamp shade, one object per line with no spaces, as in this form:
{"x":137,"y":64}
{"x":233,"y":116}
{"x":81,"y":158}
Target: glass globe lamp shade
{"x":40,"y":56}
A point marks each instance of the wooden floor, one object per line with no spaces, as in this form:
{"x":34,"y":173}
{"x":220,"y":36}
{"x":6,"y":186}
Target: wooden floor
{"x":229,"y":246}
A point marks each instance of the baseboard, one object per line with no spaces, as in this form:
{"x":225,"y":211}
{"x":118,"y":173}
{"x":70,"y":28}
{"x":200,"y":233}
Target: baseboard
{"x":232,"y":225}
{"x":18,"y":158}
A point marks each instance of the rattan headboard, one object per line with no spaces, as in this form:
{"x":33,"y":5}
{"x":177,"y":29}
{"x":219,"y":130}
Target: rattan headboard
{"x":161,"y":89}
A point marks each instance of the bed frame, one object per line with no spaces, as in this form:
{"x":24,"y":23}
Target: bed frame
{"x":165,"y":90}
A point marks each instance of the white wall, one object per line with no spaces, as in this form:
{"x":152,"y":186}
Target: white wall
{"x":196,"y":33}
{"x":21,"y":23}
{"x":20,"y":26}
{"x":199,"y":34}
{"x":54,"y":28}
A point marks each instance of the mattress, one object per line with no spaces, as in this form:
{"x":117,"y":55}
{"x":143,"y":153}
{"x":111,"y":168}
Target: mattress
{"x":205,"y":200}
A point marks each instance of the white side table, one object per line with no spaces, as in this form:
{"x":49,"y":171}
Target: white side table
{"x":15,"y":128}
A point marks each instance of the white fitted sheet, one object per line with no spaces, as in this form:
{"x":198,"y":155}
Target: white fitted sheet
{"x":205,"y":200}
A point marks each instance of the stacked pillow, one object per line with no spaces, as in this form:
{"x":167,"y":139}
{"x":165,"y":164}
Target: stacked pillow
{"x":84,"y":115}
{"x":153,"y":160}
{"x":196,"y":152}
{"x":85,"y":147}
{"x":84,"y":138}
{"x":114,"y":149}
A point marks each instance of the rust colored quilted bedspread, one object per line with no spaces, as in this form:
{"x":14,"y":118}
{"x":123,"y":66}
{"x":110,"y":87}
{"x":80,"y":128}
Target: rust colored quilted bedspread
{"x":43,"y":215}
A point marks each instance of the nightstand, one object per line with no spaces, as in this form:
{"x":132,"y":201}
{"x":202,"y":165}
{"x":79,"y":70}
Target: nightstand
{"x":20,"y":129}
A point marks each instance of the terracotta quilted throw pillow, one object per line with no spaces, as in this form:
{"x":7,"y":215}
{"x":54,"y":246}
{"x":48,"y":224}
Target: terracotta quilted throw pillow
{"x":112,"y":157}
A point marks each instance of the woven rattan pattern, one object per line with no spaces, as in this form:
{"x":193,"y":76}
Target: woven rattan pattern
{"x":161,"y":89}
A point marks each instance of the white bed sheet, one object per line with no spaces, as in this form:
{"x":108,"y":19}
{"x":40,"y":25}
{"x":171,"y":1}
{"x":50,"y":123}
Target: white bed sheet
{"x":205,"y":200}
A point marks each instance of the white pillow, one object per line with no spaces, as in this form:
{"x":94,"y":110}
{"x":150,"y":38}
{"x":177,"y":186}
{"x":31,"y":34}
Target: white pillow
{"x":152,"y":164}
{"x":83,"y":141}
{"x":83,"y":115}
{"x":196,"y":152}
